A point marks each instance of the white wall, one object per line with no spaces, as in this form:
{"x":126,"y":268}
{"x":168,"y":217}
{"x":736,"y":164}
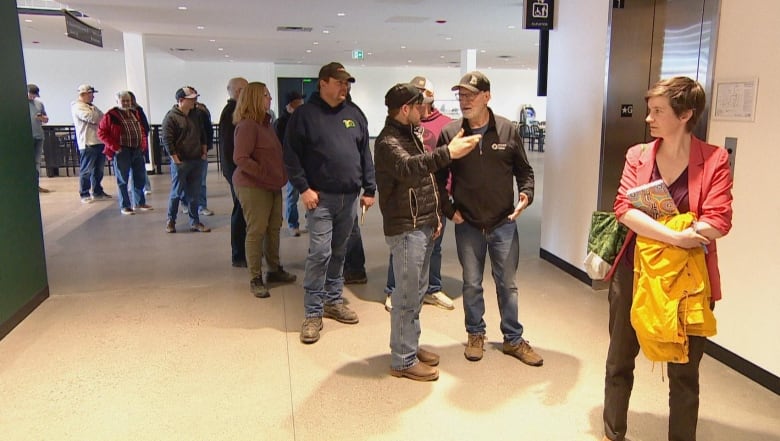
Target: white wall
{"x":750,"y":255}
{"x":575,"y":99}
{"x":58,"y":74}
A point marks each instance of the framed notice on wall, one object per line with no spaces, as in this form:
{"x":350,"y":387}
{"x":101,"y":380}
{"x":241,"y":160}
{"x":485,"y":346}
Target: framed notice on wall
{"x":735,"y":100}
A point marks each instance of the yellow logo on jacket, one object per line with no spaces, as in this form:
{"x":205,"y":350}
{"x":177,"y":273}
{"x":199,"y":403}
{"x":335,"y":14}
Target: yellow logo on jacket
{"x":348,"y":123}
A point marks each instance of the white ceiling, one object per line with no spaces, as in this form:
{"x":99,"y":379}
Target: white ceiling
{"x":246,"y":30}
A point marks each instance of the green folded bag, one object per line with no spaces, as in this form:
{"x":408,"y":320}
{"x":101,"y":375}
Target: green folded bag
{"x":605,"y":238}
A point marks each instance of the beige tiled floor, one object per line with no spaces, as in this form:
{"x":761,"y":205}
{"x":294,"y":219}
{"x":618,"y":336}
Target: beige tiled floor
{"x":151,"y":336}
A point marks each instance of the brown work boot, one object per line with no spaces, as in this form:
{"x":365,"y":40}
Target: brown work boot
{"x":523,"y":352}
{"x":200,"y":227}
{"x":427,"y":357}
{"x":418,"y":372}
{"x":341,"y":313}
{"x":475,"y":347}
{"x":170,"y":227}
{"x":310,"y":330}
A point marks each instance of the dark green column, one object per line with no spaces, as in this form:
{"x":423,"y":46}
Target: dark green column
{"x":23,"y":283}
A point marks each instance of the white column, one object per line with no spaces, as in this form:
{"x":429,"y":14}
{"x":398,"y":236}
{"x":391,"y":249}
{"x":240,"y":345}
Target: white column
{"x":137,"y":81}
{"x":468,"y":60}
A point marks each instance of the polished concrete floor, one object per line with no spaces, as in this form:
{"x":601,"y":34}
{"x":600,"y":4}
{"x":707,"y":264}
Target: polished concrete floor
{"x":154,"y":336}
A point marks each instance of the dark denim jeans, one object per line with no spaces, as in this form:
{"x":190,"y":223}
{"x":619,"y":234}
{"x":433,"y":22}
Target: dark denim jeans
{"x":237,"y":229}
{"x":291,"y":207}
{"x":355,"y":260}
{"x":91,"y":163}
{"x":434,"y":275}
{"x":412,"y":251}
{"x":503,"y":246}
{"x":202,"y":203}
{"x":329,"y":226}
{"x":126,"y":162}
{"x":185,"y":180}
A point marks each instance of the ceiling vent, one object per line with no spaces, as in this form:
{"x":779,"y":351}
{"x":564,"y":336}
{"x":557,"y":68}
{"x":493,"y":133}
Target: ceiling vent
{"x":293,"y":29}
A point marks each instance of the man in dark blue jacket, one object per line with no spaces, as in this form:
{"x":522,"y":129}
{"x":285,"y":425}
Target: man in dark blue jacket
{"x":328,"y":161}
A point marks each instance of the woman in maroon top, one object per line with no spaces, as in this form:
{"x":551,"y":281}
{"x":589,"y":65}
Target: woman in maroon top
{"x":258,"y":180}
{"x":699,"y":180}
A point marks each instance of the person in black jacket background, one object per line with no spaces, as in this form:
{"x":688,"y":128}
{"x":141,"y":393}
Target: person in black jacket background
{"x":293,"y":100}
{"x":411,"y":219}
{"x":484,"y":211}
{"x":226,"y":131}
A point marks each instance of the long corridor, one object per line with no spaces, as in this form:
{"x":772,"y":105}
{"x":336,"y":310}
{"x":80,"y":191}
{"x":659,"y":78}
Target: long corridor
{"x":154,"y":336}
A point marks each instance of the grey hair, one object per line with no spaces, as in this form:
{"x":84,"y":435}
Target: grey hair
{"x":122,"y":93}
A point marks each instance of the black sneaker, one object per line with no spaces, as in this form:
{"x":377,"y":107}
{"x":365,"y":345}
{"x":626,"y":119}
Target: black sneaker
{"x":258,"y":288}
{"x":355,"y":278}
{"x":239,"y":263}
{"x":280,"y":276}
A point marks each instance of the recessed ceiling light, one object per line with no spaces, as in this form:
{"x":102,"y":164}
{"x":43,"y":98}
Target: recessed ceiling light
{"x":448,"y":38}
{"x":220,"y":49}
{"x":441,"y":56}
{"x":182,"y":8}
{"x":511,"y":27}
{"x":308,"y":51}
{"x":213,"y":40}
{"x":403,"y":47}
{"x":200,"y":28}
{"x":408,"y":61}
{"x":482,"y":51}
{"x":116,"y":50}
{"x":316,"y":43}
{"x":27,"y":20}
{"x":369,"y":53}
{"x":341,"y":14}
{"x":227,"y":56}
{"x":325,"y":31}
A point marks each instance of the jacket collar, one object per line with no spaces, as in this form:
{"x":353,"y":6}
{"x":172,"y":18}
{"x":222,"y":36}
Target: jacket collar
{"x":490,"y":125}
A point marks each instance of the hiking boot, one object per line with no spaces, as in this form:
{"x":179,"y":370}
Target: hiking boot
{"x":439,"y":299}
{"x":523,"y":352}
{"x":310,"y":330}
{"x":341,"y":313}
{"x":170,"y":227}
{"x":200,"y":227}
{"x":239,"y":263}
{"x":427,"y":357}
{"x":144,"y":207}
{"x":388,"y":304}
{"x":280,"y":276}
{"x":418,"y":372}
{"x":355,"y":278}
{"x":258,"y":288}
{"x":475,"y":347}
{"x":127,"y":210}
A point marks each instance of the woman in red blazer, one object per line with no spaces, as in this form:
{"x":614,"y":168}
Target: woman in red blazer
{"x":699,"y":180}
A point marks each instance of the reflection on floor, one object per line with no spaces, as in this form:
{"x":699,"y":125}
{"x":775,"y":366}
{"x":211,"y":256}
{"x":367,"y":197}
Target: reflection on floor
{"x":154,"y":336}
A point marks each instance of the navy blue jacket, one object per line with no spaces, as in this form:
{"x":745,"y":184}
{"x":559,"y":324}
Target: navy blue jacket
{"x":326,"y":149}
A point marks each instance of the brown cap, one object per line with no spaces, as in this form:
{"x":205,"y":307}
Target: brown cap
{"x":425,"y":86}
{"x":335,"y":70}
{"x":474,"y":81}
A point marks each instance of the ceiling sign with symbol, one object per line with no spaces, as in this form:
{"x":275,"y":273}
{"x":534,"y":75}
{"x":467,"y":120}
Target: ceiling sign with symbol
{"x":539,"y":14}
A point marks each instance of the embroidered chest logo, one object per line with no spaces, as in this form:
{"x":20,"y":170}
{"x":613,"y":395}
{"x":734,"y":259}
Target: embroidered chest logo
{"x":498,"y":147}
{"x":349,"y":124}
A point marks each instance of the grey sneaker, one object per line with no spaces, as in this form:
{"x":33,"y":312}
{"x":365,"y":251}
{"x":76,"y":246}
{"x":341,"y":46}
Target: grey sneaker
{"x":280,"y":276}
{"x":258,"y":288}
{"x":475,"y":347}
{"x":341,"y":313}
{"x":310,"y":330}
{"x":86,"y":200}
{"x":523,"y":352}
{"x":440,"y":299}
{"x":205,"y":212}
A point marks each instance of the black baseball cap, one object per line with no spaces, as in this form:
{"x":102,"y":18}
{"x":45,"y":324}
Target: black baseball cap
{"x":292,"y":96}
{"x":401,"y":94}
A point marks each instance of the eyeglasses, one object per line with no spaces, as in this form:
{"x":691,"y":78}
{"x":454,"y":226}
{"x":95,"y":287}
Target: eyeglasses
{"x":467,"y":96}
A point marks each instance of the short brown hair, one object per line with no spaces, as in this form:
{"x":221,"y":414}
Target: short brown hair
{"x":684,"y":94}
{"x":250,"y":103}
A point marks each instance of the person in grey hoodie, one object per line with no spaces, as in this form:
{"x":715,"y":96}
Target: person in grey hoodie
{"x":186,"y":145}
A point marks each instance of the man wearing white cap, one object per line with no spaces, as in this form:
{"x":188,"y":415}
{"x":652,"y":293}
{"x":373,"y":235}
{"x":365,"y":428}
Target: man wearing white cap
{"x":431,"y":123}
{"x":86,"y":117}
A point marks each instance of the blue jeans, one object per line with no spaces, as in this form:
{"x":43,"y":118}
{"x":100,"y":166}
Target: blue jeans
{"x":329,"y":226}
{"x":185,"y":180}
{"x":91,"y":163}
{"x":412,"y":251}
{"x":355,"y":260}
{"x":434,"y":275}
{"x":291,"y":199}
{"x":503,"y":245}
{"x":204,"y":168}
{"x":126,"y":162}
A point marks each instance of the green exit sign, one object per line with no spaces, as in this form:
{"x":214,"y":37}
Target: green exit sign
{"x":357,"y":54}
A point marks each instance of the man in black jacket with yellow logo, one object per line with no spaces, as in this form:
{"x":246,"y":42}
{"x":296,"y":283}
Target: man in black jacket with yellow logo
{"x":484,"y":210}
{"x":410,"y":209}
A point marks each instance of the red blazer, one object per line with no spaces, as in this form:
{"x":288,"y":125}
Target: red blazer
{"x":709,"y":193}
